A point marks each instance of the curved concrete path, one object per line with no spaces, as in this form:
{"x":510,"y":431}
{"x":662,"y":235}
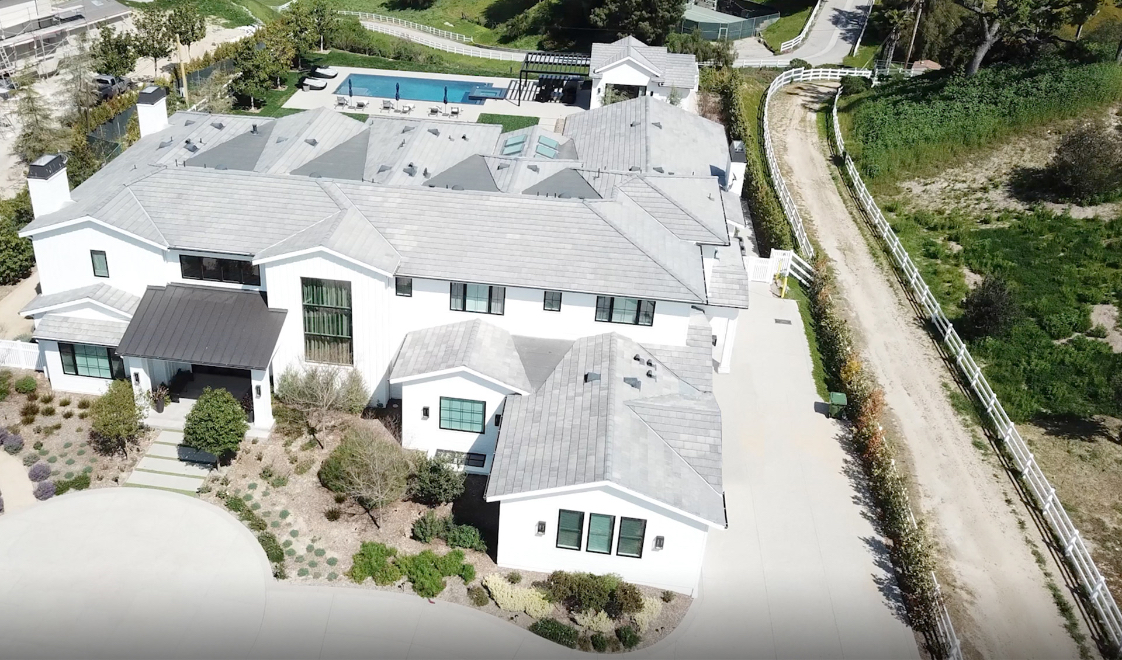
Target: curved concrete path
{"x":15,"y":486}
{"x":834,"y":33}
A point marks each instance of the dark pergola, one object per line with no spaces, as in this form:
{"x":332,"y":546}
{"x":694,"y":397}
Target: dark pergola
{"x":552,"y":66}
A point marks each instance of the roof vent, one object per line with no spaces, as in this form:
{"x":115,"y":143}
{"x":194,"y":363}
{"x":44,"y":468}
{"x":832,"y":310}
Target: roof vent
{"x":435,"y":131}
{"x":192,"y":148}
{"x":457,"y":187}
{"x":650,"y":363}
{"x":281,"y":139}
{"x":563,"y":195}
{"x":634,"y":124}
{"x":651,"y":374}
{"x":591,"y":376}
{"x":312,"y":141}
{"x":223,"y":167}
{"x":401,"y":145}
{"x":638,"y":358}
{"x":314,"y":175}
{"x":464,"y":137}
{"x":657,"y":124}
{"x":659,"y":169}
{"x":166,"y":143}
{"x":383,"y":168}
{"x":253,"y":129}
{"x":219,"y":125}
{"x":410,"y":170}
{"x":407,"y":129}
{"x":426,"y":173}
{"x":503,"y":166}
{"x":633,"y":168}
{"x":534,"y":168}
{"x":189,"y":122}
{"x":634,"y":382}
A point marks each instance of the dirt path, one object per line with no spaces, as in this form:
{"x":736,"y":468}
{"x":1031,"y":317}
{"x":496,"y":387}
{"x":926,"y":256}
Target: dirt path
{"x":999,"y":601}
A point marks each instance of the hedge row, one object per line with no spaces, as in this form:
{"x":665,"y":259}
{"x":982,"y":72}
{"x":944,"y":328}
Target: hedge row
{"x":742,"y":97}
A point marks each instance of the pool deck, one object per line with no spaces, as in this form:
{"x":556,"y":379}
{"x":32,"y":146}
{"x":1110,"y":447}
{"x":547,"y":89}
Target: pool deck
{"x":547,"y":113}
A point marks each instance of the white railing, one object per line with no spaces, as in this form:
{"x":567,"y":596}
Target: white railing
{"x":20,"y":355}
{"x":1075,"y":551}
{"x":791,"y":44}
{"x":761,"y":64}
{"x":470,"y":51}
{"x":944,"y":627}
{"x":380,"y":18}
{"x":780,"y":263}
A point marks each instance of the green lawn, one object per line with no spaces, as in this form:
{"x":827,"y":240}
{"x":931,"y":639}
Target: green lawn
{"x":448,"y":63}
{"x":467,"y":17}
{"x":818,"y":371}
{"x":793,"y":15}
{"x":864,"y":57}
{"x":230,"y":13}
{"x":508,"y":122}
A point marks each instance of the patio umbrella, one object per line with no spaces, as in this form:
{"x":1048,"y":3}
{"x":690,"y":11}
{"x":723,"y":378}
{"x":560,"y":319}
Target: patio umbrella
{"x":350,"y":88}
{"x":397,"y":92}
{"x":446,"y":95}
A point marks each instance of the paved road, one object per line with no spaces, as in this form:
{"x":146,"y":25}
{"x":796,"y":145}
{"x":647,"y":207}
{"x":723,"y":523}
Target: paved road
{"x":836,"y":29}
{"x":799,"y":573}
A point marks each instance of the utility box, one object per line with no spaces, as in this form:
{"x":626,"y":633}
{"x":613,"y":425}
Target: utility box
{"x":838,"y":401}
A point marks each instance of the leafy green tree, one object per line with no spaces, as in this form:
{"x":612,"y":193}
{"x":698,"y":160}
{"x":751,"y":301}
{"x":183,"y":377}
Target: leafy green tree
{"x":117,"y":418}
{"x":187,"y":25}
{"x":324,"y":20}
{"x":1087,"y":165}
{"x":1025,"y":20}
{"x":216,"y":90}
{"x":216,"y":423}
{"x":989,"y":310}
{"x":436,"y":482}
{"x":894,"y":20}
{"x":153,"y":38}
{"x":649,"y":21}
{"x":16,"y":256}
{"x":17,"y":210}
{"x":254,"y":71}
{"x":77,"y":72}
{"x":114,"y":53}
{"x":298,"y":28}
{"x":721,"y":52}
{"x":39,"y":132}
{"x":370,"y":467}
{"x":83,"y":161}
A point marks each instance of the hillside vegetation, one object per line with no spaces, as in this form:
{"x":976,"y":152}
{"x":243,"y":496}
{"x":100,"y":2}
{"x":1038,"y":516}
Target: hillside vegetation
{"x":910,"y":127}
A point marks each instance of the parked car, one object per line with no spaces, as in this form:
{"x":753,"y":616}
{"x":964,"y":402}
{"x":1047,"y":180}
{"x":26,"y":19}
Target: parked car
{"x":110,"y":86}
{"x":323,"y":72}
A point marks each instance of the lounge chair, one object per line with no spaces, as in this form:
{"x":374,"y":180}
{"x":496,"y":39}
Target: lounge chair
{"x":387,"y":105}
{"x":455,"y":111}
{"x":360,"y":105}
{"x":340,"y":101}
{"x":434,"y":110}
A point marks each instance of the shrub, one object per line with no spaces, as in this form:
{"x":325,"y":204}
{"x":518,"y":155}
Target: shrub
{"x":318,"y":390}
{"x":429,"y":526}
{"x":651,"y":609}
{"x":369,"y":466}
{"x":39,"y":472}
{"x":27,"y":420}
{"x":514,"y":577}
{"x":216,"y":423}
{"x":436,"y":482}
{"x":67,"y":414}
{"x":668,"y":596}
{"x":373,"y":561}
{"x":628,"y":637}
{"x":626,"y":599}
{"x":597,"y":621}
{"x":1087,"y":165}
{"x":478,"y":596}
{"x":555,"y":631}
{"x":855,"y":85}
{"x":271,"y":546}
{"x":288,"y":421}
{"x":1,"y":505}
{"x":5,"y":383}
{"x":83,"y":403}
{"x":44,"y":490}
{"x":30,"y":459}
{"x":79,"y":482}
{"x":517,"y":599}
{"x":599,"y":642}
{"x":29,"y":409}
{"x":333,"y":514}
{"x":13,"y":442}
{"x":989,"y":310}
{"x":465,"y":536}
{"x":117,"y":418}
{"x":27,"y":385}
{"x":797,"y":63}
{"x":64,"y":401}
{"x":467,"y":572}
{"x":581,"y":592}
{"x":46,"y":397}
{"x":251,"y":519}
{"x":47,"y":411}
{"x":273,"y":477}
{"x":426,"y":571}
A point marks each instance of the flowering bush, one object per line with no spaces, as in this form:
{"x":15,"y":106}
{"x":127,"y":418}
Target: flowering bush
{"x":598,"y":621}
{"x":517,"y":599}
{"x":13,"y":442}
{"x":39,"y":472}
{"x":652,"y":607}
{"x":44,"y":490}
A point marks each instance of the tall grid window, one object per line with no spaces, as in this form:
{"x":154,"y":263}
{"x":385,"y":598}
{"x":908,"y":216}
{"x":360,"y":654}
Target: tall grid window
{"x":328,"y":335}
{"x":552,"y":301}
{"x":617,"y":309}
{"x":479,"y":298}
{"x":570,"y":524}
{"x":462,"y":414}
{"x":100,"y":263}
{"x":91,"y":361}
{"x":600,"y":529}
{"x":631,"y":533}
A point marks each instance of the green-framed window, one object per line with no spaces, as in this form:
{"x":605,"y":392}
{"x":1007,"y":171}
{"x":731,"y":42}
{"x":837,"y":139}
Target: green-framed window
{"x":631,"y":534}
{"x":617,"y":309}
{"x":462,"y":414}
{"x":600,"y":530}
{"x":328,"y":334}
{"x":91,"y":361}
{"x":570,"y":525}
{"x":100,"y":263}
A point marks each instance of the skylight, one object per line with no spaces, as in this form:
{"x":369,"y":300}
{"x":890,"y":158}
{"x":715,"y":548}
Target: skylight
{"x":547,"y":147}
{"x":513,"y":145}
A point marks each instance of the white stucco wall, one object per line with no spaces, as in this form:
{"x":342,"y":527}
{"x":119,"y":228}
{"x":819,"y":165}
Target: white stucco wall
{"x":63,"y":259}
{"x":426,"y":434}
{"x":676,"y":567}
{"x":65,"y":383}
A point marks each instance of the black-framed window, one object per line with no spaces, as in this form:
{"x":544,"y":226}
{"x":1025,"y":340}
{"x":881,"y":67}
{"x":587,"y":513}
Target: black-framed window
{"x":91,"y":361}
{"x":479,"y":298}
{"x":470,"y":459}
{"x":462,"y":414}
{"x":617,"y":309}
{"x":328,"y":335}
{"x":552,"y":301}
{"x":631,"y":534}
{"x":570,"y":526}
{"x":600,"y":530}
{"x":100,"y":263}
{"x":404,"y":286}
{"x":213,"y":269}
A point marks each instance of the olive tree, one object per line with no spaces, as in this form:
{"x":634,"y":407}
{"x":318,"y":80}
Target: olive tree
{"x":216,"y":423}
{"x":118,"y":418}
{"x":370,"y":467}
{"x":322,"y":392}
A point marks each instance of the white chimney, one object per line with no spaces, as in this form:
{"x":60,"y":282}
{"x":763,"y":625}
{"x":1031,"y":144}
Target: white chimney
{"x":152,"y":110}
{"x":48,"y":185}
{"x":738,"y":164}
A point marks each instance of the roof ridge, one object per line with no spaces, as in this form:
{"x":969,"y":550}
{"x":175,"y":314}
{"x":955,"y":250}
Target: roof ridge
{"x":609,"y":434}
{"x":681,"y":208}
{"x":671,"y":448}
{"x":128,"y":187}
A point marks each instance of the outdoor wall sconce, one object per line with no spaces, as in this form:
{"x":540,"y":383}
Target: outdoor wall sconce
{"x":136,"y":377}
{"x":425,"y":412}
{"x":660,"y":542}
{"x":257,"y":390}
{"x":541,"y":528}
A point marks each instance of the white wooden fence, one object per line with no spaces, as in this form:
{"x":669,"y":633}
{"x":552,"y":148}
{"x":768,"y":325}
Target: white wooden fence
{"x":1075,"y":551}
{"x":471,"y":51}
{"x":381,"y":18}
{"x":20,"y":355}
{"x":791,"y":44}
{"x":944,"y":626}
{"x":780,"y":263}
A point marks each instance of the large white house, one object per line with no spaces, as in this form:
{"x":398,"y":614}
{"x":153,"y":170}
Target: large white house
{"x":472,"y":274}
{"x":631,"y":68}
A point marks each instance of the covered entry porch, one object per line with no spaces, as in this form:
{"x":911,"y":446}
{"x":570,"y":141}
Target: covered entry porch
{"x":187,"y":338}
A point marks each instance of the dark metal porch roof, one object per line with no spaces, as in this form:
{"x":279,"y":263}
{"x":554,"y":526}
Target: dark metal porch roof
{"x":204,"y":325}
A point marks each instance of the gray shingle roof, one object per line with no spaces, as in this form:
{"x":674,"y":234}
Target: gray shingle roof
{"x":58,"y":327}
{"x":671,"y":214}
{"x":204,"y":325}
{"x":566,"y":183}
{"x":675,"y":69}
{"x":694,"y":361}
{"x":470,"y":173}
{"x":481,"y":347}
{"x":662,"y":440}
{"x":103,"y":294}
{"x":728,"y":281}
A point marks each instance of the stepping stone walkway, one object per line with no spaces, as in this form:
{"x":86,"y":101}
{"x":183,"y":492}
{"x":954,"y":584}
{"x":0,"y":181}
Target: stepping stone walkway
{"x":169,"y":465}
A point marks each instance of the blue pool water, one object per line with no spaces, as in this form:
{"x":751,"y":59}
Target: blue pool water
{"x":414,"y":89}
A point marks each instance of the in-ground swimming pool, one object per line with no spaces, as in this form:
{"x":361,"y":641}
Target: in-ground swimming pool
{"x":416,"y":89}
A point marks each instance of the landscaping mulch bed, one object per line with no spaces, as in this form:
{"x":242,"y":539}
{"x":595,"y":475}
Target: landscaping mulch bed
{"x":62,"y":439}
{"x":290,"y":499}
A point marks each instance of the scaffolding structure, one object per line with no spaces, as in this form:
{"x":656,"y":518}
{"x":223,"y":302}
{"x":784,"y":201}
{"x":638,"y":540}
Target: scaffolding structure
{"x":44,"y":38}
